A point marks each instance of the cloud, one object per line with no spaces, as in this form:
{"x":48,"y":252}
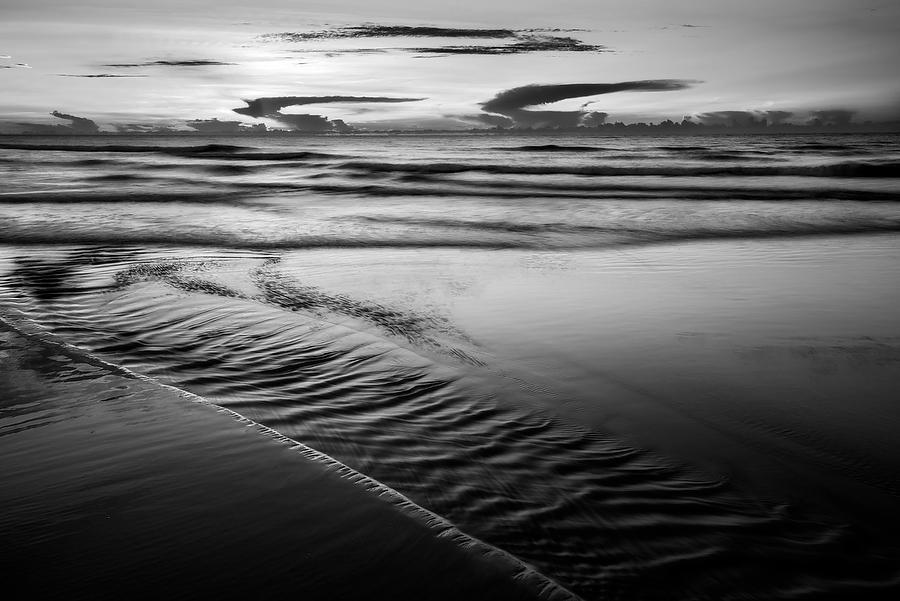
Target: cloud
{"x":214,"y":126}
{"x":530,"y":40}
{"x":831,"y":117}
{"x":170,"y":63}
{"x":513,"y":103}
{"x":534,"y":94}
{"x":742,"y":118}
{"x":266,"y":107}
{"x":304,"y":122}
{"x":495,"y":120}
{"x":387,"y":31}
{"x":594,"y":118}
{"x":79,"y":124}
{"x":528,"y":44}
{"x":145,"y":128}
{"x":421,"y":123}
{"x":270,"y":108}
{"x":96,"y":75}
{"x":778,"y":117}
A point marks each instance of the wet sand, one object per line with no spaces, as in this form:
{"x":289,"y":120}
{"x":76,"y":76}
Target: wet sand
{"x":656,"y":422}
{"x":115,"y":487}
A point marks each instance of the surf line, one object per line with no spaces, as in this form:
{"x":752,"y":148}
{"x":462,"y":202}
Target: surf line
{"x":546,"y":587}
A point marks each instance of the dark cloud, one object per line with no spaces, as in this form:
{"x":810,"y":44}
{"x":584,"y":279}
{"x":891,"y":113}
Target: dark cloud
{"x":831,"y":117}
{"x":528,"y":44}
{"x":214,"y":126}
{"x":745,"y":119}
{"x":778,"y":117}
{"x":531,"y":95}
{"x":547,"y":119}
{"x":530,"y":40}
{"x":79,"y":124}
{"x":270,"y":108}
{"x":387,"y":31}
{"x":557,"y":119}
{"x":267,"y":107}
{"x":134,"y":128}
{"x":495,"y":120}
{"x":170,"y":63}
{"x":514,"y":103}
{"x":341,"y":127}
{"x":594,"y":119}
{"x":304,"y":122}
{"x":96,"y":75}
{"x":332,"y":52}
{"x":146,"y":128}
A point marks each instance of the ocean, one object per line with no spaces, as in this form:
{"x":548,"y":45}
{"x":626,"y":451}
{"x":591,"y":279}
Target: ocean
{"x":612,"y":368}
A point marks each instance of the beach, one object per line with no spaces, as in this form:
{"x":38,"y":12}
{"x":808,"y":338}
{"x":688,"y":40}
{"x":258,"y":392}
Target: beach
{"x":626,"y":368}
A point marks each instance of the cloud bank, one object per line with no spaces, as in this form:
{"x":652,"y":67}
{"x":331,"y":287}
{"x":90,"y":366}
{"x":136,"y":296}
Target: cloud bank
{"x":831,"y":117}
{"x":214,"y":126}
{"x":76,"y":125}
{"x":742,"y":118}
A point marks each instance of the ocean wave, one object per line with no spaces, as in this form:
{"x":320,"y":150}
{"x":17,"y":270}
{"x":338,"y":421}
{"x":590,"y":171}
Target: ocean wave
{"x":411,"y":232}
{"x":193,"y":189}
{"x":730,"y":155}
{"x":845,"y":170}
{"x":205,"y":151}
{"x":137,"y":148}
{"x":820,"y":146}
{"x":74,"y":196}
{"x":118,"y":177}
{"x":635,"y":235}
{"x":550,"y":148}
{"x":525,"y":190}
{"x":681,"y":148}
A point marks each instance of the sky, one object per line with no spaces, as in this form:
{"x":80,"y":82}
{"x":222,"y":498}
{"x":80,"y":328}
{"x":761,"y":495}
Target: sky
{"x":371,"y":64}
